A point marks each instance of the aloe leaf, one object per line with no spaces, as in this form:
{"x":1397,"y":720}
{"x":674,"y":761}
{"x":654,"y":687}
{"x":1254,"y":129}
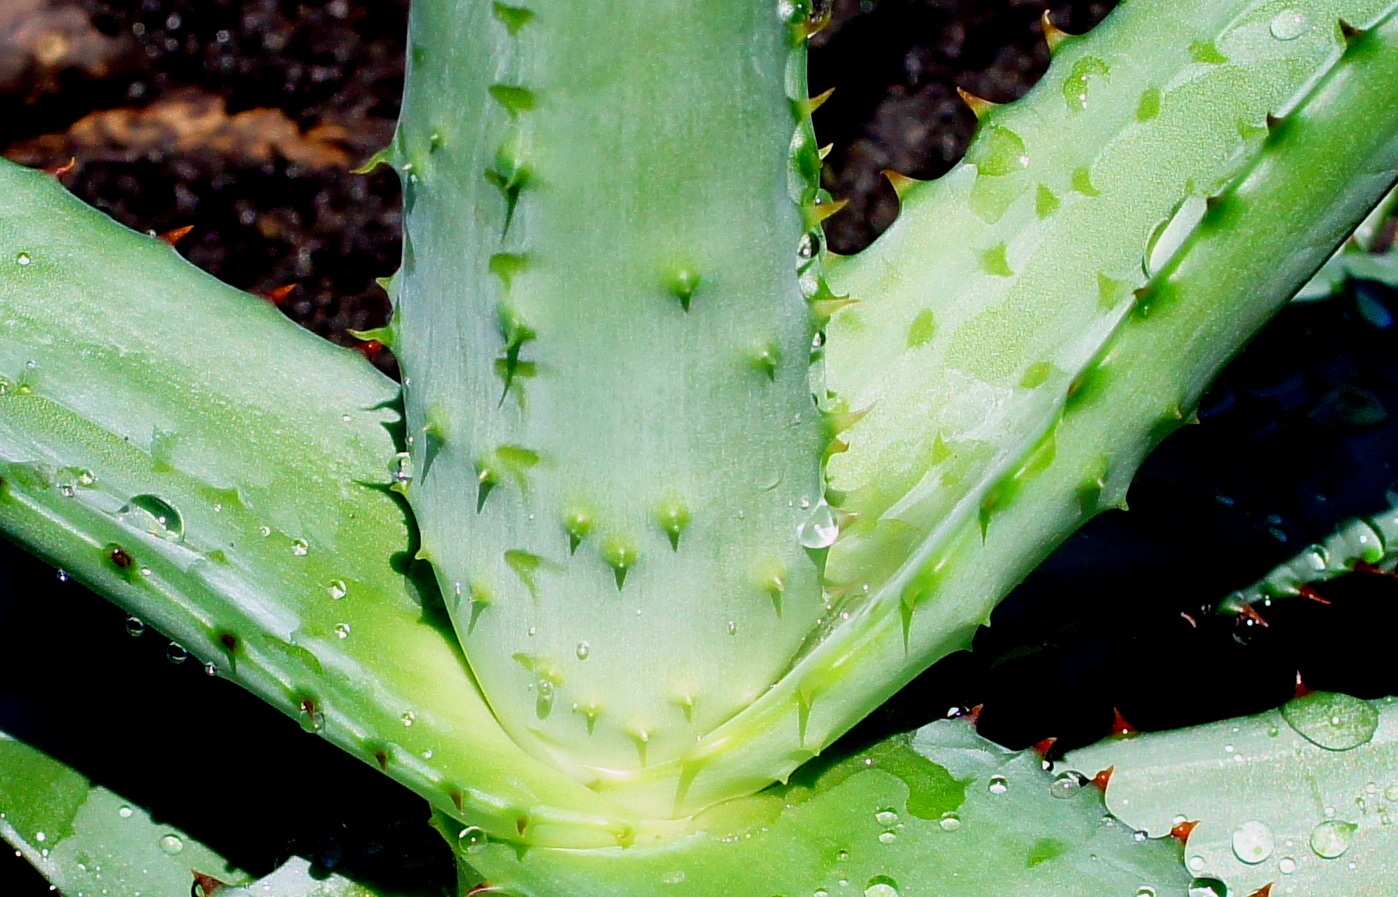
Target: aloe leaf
{"x":942,"y":811}
{"x":937,"y":559}
{"x":1361,"y":542}
{"x":1358,"y":259}
{"x":180,"y":447}
{"x":606,"y":353}
{"x":88,"y":841}
{"x":1302,"y":798}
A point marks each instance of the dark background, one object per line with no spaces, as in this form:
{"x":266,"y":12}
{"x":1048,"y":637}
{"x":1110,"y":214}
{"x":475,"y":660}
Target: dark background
{"x":244,"y":118}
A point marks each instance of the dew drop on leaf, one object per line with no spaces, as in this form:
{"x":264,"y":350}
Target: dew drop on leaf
{"x":1332,"y":721}
{"x":1288,"y":25}
{"x":1253,"y":842}
{"x":1331,"y":838}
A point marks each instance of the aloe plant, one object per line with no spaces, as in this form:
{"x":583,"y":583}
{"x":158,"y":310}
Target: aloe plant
{"x":690,"y":496}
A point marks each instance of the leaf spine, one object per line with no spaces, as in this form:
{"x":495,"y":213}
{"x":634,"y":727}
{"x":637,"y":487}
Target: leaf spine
{"x":1053,"y":35}
{"x":980,"y":106}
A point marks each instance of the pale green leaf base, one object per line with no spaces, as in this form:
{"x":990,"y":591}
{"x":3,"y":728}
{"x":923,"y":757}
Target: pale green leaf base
{"x":943,"y":813}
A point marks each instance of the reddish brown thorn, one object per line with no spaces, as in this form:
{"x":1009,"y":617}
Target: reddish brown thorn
{"x":1301,"y":688}
{"x":1311,"y":594}
{"x":173,"y":237}
{"x":1264,"y":891}
{"x":1366,"y":567}
{"x":61,"y":172}
{"x":973,"y":716}
{"x":1182,"y":830}
{"x":1104,"y":778}
{"x":278,"y":295}
{"x":206,"y":885}
{"x":1120,"y":727}
{"x":381,"y":758}
{"x":1193,"y":623}
{"x":1043,"y":747}
{"x":1248,"y":612}
{"x":370,"y":348}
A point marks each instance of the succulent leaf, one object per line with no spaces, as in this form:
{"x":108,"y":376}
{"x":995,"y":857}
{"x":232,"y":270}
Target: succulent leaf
{"x":87,"y":840}
{"x":222,"y":474}
{"x":647,"y":276}
{"x":951,"y":503}
{"x":1301,"y":798}
{"x":942,"y":811}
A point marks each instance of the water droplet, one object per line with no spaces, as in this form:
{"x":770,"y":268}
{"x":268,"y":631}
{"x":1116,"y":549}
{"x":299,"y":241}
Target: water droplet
{"x":472,"y":838}
{"x":1065,"y":785}
{"x":153,"y":515}
{"x":949,"y":822}
{"x":998,"y":785}
{"x":409,"y":717}
{"x":1253,"y":842}
{"x":1289,"y":25}
{"x":1287,"y":865}
{"x":1391,"y":792}
{"x":820,"y":529}
{"x":808,"y":247}
{"x":886,"y":817}
{"x":300,"y":548}
{"x":135,"y":627}
{"x":1207,"y":887}
{"x":210,"y":670}
{"x":732,"y":627}
{"x":583,"y":650}
{"x":881,"y":886}
{"x":401,"y":468}
{"x":63,"y":576}
{"x":1145,"y":891}
{"x":125,"y":812}
{"x":338,"y":589}
{"x":887,"y":838}
{"x":172,"y":844}
{"x":23,"y":259}
{"x":1333,"y":721}
{"x":176,"y":653}
{"x":1331,"y":838}
{"x":342,"y":630}
{"x":87,"y":479}
{"x":1196,"y":863}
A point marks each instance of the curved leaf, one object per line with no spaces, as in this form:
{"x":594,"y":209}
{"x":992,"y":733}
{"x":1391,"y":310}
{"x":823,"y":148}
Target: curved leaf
{"x":942,"y":812}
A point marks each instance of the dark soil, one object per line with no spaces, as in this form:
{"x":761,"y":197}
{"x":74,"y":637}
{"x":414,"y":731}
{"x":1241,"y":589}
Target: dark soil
{"x":244,"y":119}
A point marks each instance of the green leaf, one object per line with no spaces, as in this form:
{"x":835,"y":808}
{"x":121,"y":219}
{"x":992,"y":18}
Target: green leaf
{"x":942,"y":812}
{"x":87,"y":840}
{"x":1302,"y":798}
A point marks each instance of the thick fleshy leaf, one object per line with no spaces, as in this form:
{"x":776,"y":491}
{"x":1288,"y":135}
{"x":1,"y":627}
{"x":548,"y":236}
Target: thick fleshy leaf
{"x":1302,"y":798}
{"x":944,"y":812}
{"x":87,"y":840}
